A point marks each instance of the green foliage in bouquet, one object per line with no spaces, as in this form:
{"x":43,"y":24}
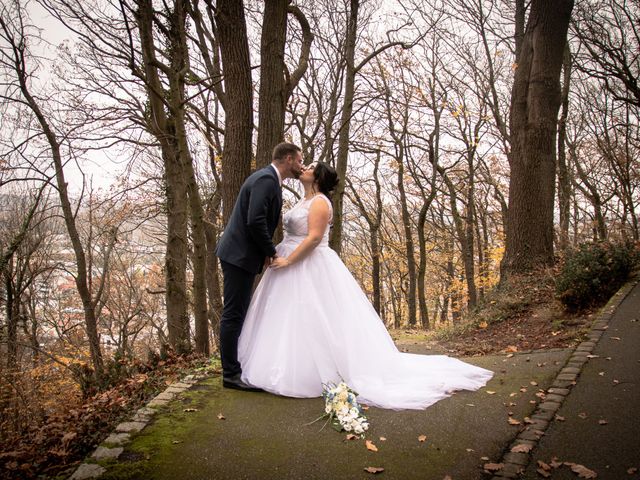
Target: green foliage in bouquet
{"x":593,"y":272}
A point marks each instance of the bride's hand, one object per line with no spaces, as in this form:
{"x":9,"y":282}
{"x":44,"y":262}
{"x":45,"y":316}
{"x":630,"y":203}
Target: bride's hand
{"x":280,"y":262}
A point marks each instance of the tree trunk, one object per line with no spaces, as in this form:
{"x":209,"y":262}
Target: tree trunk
{"x":564,"y":182}
{"x":409,"y":246}
{"x":164,"y":128}
{"x":272,"y":94}
{"x":345,"y":123}
{"x":81,"y":280}
{"x":468,"y":244}
{"x":179,"y":56}
{"x":12,"y":317}
{"x":422,"y":267}
{"x":535,"y":100}
{"x":237,"y":101}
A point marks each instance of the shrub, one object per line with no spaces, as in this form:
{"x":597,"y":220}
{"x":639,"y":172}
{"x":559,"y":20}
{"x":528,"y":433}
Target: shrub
{"x":593,"y":272}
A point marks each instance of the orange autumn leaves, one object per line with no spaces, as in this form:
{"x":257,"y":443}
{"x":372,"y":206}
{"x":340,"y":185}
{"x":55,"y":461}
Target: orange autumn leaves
{"x":373,"y":448}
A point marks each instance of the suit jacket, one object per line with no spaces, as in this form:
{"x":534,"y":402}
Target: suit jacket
{"x":247,"y":238}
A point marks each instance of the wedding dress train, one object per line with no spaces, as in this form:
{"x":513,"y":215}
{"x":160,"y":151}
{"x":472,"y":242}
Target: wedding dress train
{"x":310,"y":323}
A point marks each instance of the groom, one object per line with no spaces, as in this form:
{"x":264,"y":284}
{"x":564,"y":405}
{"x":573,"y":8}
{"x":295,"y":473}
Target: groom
{"x":246,"y":246}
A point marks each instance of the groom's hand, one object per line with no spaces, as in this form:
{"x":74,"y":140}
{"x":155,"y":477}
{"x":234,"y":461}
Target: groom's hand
{"x":280,"y":262}
{"x":269,"y":260}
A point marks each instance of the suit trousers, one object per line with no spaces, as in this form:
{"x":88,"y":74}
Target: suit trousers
{"x":238,"y":287}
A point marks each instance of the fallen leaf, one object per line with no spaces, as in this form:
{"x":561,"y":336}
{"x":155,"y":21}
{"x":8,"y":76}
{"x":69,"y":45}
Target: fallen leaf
{"x":555,"y":463}
{"x":523,"y":389}
{"x":615,"y":382}
{"x":374,"y":469}
{"x":522,"y":448}
{"x":513,"y":421}
{"x":543,"y":473}
{"x":582,"y":471}
{"x":510,"y":355}
{"x":560,"y":418}
{"x":593,"y":356}
{"x":544,"y":466}
{"x":534,"y":383}
{"x":602,"y":422}
{"x":370,"y":446}
{"x":175,"y":442}
{"x":511,"y":348}
{"x":484,"y":459}
{"x":527,"y":420}
{"x":601,"y":374}
{"x":493,"y":467}
{"x":582,"y":415}
{"x":383,"y":439}
{"x":422,"y":438}
{"x":470,"y":450}
{"x":615,"y":338}
{"x":483,"y":325}
{"x":470,"y":405}
{"x":632,"y":470}
{"x":190,"y":410}
{"x":490,"y":392}
{"x":221,"y":416}
{"x":351,"y":436}
{"x":364,"y":407}
{"x":513,"y":394}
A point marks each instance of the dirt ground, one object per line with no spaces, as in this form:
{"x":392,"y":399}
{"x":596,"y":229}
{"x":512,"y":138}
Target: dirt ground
{"x":524,"y":318}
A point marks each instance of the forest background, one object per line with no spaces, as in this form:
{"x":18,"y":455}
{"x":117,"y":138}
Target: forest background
{"x":476,"y":141}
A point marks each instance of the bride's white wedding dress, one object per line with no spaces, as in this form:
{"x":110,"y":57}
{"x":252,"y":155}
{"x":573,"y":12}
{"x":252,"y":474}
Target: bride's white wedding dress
{"x":310,"y":323}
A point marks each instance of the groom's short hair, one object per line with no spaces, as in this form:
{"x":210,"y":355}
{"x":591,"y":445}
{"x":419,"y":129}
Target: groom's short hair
{"x":282,"y":150}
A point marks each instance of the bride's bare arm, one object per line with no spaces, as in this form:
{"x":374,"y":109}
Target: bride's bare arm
{"x":319,"y":215}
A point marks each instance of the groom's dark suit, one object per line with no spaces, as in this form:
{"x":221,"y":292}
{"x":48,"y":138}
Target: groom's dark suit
{"x":242,"y":250}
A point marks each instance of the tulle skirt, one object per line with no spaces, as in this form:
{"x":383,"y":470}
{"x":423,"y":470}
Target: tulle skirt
{"x":310,"y":324}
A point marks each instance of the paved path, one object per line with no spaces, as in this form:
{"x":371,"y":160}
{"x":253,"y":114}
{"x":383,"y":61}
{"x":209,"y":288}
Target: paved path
{"x":268,"y":437}
{"x":601,"y":427}
{"x":213,"y":433}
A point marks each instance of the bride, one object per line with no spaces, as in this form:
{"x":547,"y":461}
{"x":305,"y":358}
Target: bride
{"x":309,"y":323}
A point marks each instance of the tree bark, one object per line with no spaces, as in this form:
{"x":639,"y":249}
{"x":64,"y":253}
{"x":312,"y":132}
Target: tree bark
{"x":163,"y":127}
{"x":564,"y":182}
{"x":179,"y":64}
{"x":335,"y":240}
{"x":272,"y":94}
{"x":535,"y":101}
{"x":237,"y":101}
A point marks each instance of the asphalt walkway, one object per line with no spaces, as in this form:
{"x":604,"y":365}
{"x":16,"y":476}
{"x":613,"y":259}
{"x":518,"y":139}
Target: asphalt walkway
{"x":568,"y":409}
{"x":599,"y":422}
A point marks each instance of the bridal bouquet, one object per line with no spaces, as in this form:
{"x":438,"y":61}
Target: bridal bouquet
{"x":342,"y":408}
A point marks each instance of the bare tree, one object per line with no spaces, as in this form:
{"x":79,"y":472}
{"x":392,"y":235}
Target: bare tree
{"x":16,"y":62}
{"x":535,"y":103}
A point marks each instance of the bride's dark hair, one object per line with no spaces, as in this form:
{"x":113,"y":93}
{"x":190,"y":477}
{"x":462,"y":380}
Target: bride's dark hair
{"x":326,"y":177}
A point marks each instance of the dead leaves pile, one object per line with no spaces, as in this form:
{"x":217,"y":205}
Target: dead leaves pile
{"x":46,"y":442}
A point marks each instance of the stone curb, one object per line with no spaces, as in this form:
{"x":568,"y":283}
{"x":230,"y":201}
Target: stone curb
{"x":514,"y":464}
{"x":114,"y":444}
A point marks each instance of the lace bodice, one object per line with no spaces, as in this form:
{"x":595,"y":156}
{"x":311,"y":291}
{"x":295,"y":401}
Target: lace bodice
{"x":296,"y":220}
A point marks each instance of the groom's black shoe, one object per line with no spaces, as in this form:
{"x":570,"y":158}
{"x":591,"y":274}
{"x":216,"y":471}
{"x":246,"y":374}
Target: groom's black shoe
{"x":236,"y":383}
